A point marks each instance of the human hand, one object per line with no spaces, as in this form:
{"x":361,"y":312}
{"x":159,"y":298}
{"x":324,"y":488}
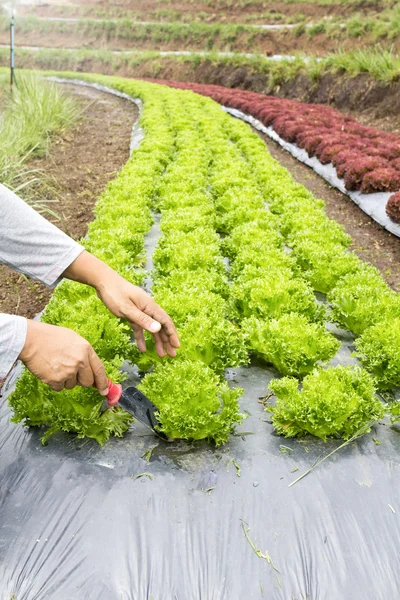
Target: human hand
{"x":130,"y":302}
{"x":126,"y":301}
{"x":61,"y":358}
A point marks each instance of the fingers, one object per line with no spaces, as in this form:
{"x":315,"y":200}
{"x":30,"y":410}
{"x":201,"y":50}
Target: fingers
{"x":166,"y":322}
{"x":56,"y":386}
{"x":70,"y":383}
{"x":139,"y":336}
{"x":99,"y":374}
{"x":141,"y":319}
{"x":167,"y":346}
{"x":159,"y":345}
{"x":85,"y":376}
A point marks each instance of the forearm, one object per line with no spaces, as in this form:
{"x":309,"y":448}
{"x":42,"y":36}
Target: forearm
{"x":30,"y":244}
{"x":89,"y":270}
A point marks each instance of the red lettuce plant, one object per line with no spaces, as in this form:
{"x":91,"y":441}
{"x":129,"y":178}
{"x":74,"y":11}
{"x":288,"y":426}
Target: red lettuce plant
{"x":393,"y":208}
{"x":381,"y":180}
{"x":356,"y":170}
{"x":329,"y":152}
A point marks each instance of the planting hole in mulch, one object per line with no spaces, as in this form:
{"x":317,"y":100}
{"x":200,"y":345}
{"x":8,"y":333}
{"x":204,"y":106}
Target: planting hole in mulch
{"x":79,"y":165}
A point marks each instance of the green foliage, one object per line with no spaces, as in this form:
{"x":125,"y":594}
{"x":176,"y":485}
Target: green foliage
{"x":379,"y":351}
{"x":323,"y":265}
{"x":189,"y":218}
{"x":218,"y":344}
{"x":175,"y":252}
{"x":339,"y":401}
{"x":291,"y":343}
{"x":206,"y":172}
{"x":192,"y":401}
{"x":362,"y":299}
{"x":261,"y":233}
{"x":195,"y":281}
{"x":76,"y":410}
{"x":272,"y":292}
{"x":314,"y":226}
{"x":30,"y":116}
{"x":262,"y":258}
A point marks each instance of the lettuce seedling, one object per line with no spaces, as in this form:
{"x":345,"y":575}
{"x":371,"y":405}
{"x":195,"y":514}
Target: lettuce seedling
{"x":379,"y":351}
{"x":176,"y":251}
{"x":339,"y":401}
{"x":212,"y":281}
{"x":188,"y":219}
{"x":291,"y":343}
{"x":192,"y":402}
{"x":393,"y":206}
{"x":362,"y":299}
{"x":242,"y":214}
{"x":192,"y":302}
{"x":272,"y":292}
{"x":253,"y":233}
{"x":257,"y":255}
{"x":324,"y":264}
{"x":218,"y":344}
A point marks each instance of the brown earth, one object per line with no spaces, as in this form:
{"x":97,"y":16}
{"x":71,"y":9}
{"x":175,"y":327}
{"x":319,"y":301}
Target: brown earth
{"x":371,"y":242}
{"x":79,"y":164}
{"x":218,"y":11}
{"x":264,"y":42}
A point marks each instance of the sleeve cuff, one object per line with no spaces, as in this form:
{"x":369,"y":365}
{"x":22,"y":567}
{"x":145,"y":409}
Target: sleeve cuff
{"x":12,"y":339}
{"x":54,"y":276}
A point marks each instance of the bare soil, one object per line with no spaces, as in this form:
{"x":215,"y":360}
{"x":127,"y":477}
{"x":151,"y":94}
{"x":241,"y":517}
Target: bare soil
{"x":371,"y":242}
{"x":79,"y":165}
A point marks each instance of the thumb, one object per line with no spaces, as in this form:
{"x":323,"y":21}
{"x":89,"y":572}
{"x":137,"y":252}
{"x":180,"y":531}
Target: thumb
{"x":140,"y":318}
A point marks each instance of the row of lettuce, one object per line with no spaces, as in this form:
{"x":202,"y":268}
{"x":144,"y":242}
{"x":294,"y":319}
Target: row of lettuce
{"x":207,"y":174}
{"x":366,"y":158}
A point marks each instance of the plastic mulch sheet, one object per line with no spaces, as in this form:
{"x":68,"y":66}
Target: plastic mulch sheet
{"x":142,"y":519}
{"x":78,"y":521}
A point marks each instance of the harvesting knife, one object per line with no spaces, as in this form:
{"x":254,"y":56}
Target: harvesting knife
{"x":135,"y":403}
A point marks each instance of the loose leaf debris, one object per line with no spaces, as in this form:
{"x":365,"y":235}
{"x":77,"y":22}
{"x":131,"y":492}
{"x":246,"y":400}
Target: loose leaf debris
{"x":142,"y":475}
{"x":256,"y":550}
{"x":237,"y":466}
{"x":147,"y":454}
{"x":321,"y":460}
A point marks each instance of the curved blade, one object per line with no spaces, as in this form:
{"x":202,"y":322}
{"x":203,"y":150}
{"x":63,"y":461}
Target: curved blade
{"x":138,"y":405}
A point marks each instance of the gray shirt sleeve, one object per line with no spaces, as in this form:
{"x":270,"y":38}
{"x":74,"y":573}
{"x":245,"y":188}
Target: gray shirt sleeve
{"x":33,"y":246}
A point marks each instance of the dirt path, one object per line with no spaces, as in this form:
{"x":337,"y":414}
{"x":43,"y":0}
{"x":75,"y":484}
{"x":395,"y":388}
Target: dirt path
{"x":370,"y":241}
{"x":80,"y":164}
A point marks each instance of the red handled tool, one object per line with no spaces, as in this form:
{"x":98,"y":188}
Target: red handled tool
{"x":135,"y":403}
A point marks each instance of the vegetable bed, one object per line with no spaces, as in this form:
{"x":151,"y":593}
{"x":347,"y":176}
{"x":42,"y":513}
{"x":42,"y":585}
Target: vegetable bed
{"x":366,"y":158}
{"x":208,"y":174}
{"x":189,"y":519}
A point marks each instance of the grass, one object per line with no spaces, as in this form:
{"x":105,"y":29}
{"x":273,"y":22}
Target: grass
{"x":379,"y":64}
{"x":382,"y":65}
{"x":383,"y":28}
{"x":167,"y":15}
{"x":31,"y":114}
